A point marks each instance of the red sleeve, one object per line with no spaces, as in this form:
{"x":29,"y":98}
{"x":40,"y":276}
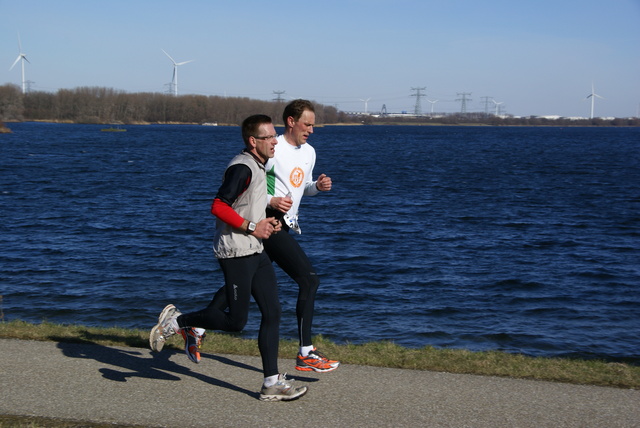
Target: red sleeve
{"x":227,"y":214}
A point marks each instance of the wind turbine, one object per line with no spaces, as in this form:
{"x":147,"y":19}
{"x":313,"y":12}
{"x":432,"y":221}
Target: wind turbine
{"x":433,"y":103}
{"x":593,"y":96}
{"x":365,"y":104}
{"x":22,"y":57}
{"x":174,"y":79}
{"x":497,"y":104}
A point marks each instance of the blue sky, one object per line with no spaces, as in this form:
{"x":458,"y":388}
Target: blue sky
{"x":536,"y":58}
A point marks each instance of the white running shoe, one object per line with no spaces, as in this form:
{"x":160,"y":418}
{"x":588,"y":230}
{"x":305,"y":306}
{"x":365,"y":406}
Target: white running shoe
{"x":163,"y":330}
{"x":283,"y":390}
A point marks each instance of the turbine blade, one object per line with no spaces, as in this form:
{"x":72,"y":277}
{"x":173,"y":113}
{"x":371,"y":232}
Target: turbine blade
{"x":25,"y":58}
{"x":185,"y":62}
{"x":15,"y":62}
{"x":169,"y":56}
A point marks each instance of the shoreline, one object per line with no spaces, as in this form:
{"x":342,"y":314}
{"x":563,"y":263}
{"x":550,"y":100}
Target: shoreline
{"x":346,"y":124}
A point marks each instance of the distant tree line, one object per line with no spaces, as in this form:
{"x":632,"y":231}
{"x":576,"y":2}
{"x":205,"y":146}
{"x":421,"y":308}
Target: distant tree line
{"x":492,"y":120}
{"x":106,"y":105}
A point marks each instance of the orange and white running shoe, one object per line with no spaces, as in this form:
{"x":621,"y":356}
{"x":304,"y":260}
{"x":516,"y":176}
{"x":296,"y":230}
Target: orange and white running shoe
{"x":192,"y":343}
{"x":316,"y":362}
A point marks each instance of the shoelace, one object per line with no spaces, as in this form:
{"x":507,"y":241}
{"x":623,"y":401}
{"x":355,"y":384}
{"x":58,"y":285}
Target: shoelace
{"x":318,"y":354}
{"x":288,"y":384}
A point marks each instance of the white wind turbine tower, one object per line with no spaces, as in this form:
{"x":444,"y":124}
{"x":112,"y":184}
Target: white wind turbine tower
{"x":433,"y":103}
{"x":21,"y":57}
{"x":593,"y":96}
{"x":174,"y":79}
{"x":497,"y":105}
{"x":365,"y":104}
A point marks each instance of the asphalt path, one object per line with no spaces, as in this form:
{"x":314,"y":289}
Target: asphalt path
{"x":120,"y":385}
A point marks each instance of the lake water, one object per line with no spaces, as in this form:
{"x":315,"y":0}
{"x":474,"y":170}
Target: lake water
{"x":524,"y":240}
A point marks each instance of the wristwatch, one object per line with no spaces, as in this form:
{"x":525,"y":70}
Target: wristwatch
{"x":251,"y":227}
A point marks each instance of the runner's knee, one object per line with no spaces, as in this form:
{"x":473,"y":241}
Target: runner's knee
{"x":308,"y":285}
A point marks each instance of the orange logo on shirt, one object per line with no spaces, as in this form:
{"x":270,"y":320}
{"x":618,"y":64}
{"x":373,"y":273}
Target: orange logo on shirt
{"x":297,"y":177}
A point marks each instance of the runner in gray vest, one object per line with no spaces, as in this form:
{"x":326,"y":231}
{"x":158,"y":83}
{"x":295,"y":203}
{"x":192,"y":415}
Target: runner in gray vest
{"x":241,"y":226}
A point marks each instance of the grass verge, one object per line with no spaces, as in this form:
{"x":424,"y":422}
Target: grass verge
{"x":377,"y":354}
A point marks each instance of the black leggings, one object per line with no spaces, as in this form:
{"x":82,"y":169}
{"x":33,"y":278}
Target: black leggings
{"x":245,"y":277}
{"x":283,"y":249}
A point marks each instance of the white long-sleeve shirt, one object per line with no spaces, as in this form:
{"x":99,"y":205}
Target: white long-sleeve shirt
{"x":290,"y":171}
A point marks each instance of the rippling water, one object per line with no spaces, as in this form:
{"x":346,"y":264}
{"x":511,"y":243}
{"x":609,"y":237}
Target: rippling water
{"x":516,"y":239}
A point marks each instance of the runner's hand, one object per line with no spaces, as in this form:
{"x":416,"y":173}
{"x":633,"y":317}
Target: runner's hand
{"x":267,"y":227}
{"x":281,"y":203}
{"x":324,"y":183}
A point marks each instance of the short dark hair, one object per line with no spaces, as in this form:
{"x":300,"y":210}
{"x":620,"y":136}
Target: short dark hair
{"x":295,"y":109}
{"x":251,"y":124}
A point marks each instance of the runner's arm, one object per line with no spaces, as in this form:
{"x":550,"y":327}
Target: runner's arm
{"x":236,"y":181}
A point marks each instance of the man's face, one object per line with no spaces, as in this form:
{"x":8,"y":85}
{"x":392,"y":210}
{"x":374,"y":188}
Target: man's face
{"x":265,"y":141}
{"x":302,"y":128}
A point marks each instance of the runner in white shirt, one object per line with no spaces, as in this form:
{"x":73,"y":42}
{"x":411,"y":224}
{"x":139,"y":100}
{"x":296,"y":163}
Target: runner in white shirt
{"x":289,"y":177}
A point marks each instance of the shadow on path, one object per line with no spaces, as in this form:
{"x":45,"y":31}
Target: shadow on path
{"x":135,"y":364}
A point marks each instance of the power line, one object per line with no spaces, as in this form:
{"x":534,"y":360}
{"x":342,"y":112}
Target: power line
{"x":418,"y":108}
{"x":278,"y":96}
{"x":464,"y":100}
{"x":486,"y":101}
